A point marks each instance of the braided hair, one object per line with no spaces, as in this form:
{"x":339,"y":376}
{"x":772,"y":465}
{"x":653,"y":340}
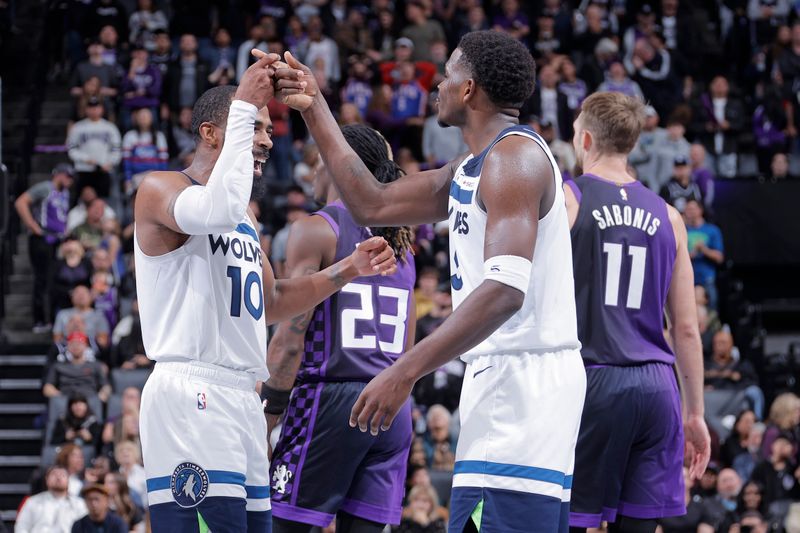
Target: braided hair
{"x":372,"y":149}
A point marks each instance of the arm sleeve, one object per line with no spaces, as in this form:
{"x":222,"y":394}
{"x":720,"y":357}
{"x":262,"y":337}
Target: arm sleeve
{"x":222,"y":203}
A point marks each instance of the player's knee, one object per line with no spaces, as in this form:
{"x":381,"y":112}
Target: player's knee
{"x":626,"y":524}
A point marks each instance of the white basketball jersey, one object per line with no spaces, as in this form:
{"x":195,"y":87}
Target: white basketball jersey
{"x":205,"y":301}
{"x":547,"y":320}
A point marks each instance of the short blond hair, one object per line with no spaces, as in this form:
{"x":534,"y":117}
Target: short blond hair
{"x":614,"y":120}
{"x":784,"y":409}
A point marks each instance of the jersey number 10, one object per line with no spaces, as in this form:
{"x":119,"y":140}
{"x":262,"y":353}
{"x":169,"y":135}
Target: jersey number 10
{"x":638,"y":256}
{"x":237,"y":294}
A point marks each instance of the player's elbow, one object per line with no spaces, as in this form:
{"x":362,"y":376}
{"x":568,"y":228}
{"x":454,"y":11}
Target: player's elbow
{"x":507,"y":300}
{"x":685,"y":331}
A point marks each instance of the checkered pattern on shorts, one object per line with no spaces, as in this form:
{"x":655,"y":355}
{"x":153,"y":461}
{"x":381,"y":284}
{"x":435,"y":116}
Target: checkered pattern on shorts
{"x":315,"y":349}
{"x":295,"y":437}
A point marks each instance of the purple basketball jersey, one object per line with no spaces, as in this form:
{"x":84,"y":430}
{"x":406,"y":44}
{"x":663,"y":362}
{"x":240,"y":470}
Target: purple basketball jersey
{"x":623,"y":250}
{"x":361,"y":329}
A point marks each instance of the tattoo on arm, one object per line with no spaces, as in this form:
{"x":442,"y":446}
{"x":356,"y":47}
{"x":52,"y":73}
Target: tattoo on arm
{"x":299,"y":324}
{"x":336,"y":277}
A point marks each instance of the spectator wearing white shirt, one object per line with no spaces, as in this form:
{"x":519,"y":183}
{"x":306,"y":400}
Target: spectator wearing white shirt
{"x":94,"y":148}
{"x":243,"y":56}
{"x":77,"y":215}
{"x":53,"y":511}
{"x":322,"y":54}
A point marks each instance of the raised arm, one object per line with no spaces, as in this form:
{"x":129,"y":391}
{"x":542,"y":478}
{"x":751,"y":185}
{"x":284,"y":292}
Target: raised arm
{"x":414,"y":199}
{"x":165,"y":199}
{"x":516,"y":180}
{"x":682,"y":313}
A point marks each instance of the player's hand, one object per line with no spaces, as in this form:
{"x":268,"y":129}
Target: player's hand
{"x":374,"y":256}
{"x":698,"y":445}
{"x":256,"y":86}
{"x":295,"y":85}
{"x":380,"y":401}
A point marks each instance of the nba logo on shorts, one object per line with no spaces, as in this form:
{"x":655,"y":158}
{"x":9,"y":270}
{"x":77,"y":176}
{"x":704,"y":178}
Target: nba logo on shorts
{"x":189,"y":484}
{"x":201,"y":401}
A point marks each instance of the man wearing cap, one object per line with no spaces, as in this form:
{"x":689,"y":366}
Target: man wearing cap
{"x":680,"y":188}
{"x":94,"y":148}
{"x":77,"y":376}
{"x":424,"y":71}
{"x":644,"y":156}
{"x":100,"y":518}
{"x":53,"y":510}
{"x":43,"y":210}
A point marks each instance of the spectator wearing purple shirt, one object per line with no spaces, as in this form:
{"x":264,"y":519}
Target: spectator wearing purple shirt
{"x":141,"y":86}
{"x":701,"y":175}
{"x":617,"y":80}
{"x":574,"y":87}
{"x":512,"y":21}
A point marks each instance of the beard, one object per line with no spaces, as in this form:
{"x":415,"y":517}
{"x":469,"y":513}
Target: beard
{"x":443,"y":124}
{"x":259,"y":189}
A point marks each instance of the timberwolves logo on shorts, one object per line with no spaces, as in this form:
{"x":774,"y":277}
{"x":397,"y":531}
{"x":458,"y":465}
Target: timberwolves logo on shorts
{"x":189,"y":484}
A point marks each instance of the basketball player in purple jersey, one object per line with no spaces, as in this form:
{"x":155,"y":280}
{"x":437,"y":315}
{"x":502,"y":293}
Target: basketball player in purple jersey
{"x":631,"y":261}
{"x":321,"y":468}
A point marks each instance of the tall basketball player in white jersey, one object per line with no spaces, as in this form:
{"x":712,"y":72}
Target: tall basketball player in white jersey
{"x":514,"y":322}
{"x":206,"y":292}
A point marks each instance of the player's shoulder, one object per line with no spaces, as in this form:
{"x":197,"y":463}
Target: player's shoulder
{"x":312,"y":231}
{"x":160,"y":181}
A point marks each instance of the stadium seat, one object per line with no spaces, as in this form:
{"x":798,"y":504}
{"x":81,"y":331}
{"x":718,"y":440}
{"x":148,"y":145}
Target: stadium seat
{"x":114,"y":406}
{"x":442,"y":481}
{"x":122,"y":379}
{"x":794,"y":165}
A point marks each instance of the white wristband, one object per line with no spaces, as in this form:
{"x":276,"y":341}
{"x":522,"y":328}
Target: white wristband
{"x":511,"y":270}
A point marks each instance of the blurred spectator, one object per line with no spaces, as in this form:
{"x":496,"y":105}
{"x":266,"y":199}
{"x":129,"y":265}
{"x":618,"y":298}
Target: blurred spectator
{"x":105,"y":298}
{"x":141,"y":87}
{"x":304,"y":169}
{"x":221,"y":57}
{"x":574,"y":87}
{"x":383,"y":35}
{"x":705,"y":248}
{"x":79,"y":425}
{"x":187,"y":76}
{"x":718,"y":120}
{"x":726,"y":372}
{"x":746,"y":461}
{"x":70,"y":457}
{"x":475,"y":20}
{"x":181,"y":139}
{"x":77,"y":215}
{"x":112,"y":53}
{"x":244,"y":57}
{"x":124,"y":426}
{"x":643,"y":28}
{"x":562,"y":151}
{"x":617,"y":80}
{"x":110,"y":250}
{"x":784,"y":418}
{"x":736,"y":442}
{"x":512,"y":21}
{"x":90,"y":233}
{"x":779,"y":167}
{"x":427,"y":284}
{"x":440,"y":144}
{"x":78,"y":376}
{"x":97,"y":469}
{"x":724,"y":503}
{"x":595,"y":30}
{"x":707,"y":485}
{"x":144,"y":23}
{"x":421,"y":514}
{"x":94,"y":148}
{"x":293,"y":214}
{"x":422,"y":30}
{"x":121,"y":503}
{"x":708,"y":325}
{"x":653,"y":70}
{"x":281,"y":151}
{"x":131,"y":344}
{"x":644,"y":156}
{"x":96,"y":324}
{"x":357,"y":89}
{"x":72,"y":270}
{"x":94,"y":67}
{"x":549,"y":104}
{"x":680,"y":189}
{"x":391,"y":71}
{"x":546,"y":44}
{"x":101,"y":264}
{"x":103,"y":13}
{"x":161,"y":54}
{"x":440,"y":446}
{"x":129,"y":458}
{"x":99,"y":517}
{"x":43,"y":210}
{"x":698,"y":517}
{"x":144,"y":149}
{"x":322,"y":55}
{"x":54,"y":510}
{"x":701,"y":175}
{"x":90,"y":90}
{"x":670,"y":149}
{"x":779,"y":473}
{"x":766,"y":16}
{"x":352,"y":35}
{"x":770,"y":127}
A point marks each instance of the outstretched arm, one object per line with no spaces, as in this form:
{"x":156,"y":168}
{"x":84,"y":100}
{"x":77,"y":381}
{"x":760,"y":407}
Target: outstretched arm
{"x":514,"y":182}
{"x":682,"y":313}
{"x":414,"y":199}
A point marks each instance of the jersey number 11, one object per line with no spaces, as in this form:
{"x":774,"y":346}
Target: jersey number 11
{"x":638,"y":256}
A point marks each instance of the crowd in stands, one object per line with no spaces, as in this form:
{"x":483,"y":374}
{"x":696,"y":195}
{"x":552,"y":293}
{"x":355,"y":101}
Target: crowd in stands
{"x":721,"y":79}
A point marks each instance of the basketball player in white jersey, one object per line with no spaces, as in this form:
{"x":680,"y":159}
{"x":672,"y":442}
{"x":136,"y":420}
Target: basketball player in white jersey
{"x":511,"y":263}
{"x":206,"y":292}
